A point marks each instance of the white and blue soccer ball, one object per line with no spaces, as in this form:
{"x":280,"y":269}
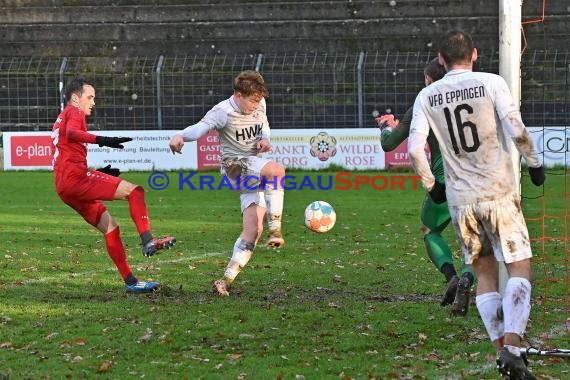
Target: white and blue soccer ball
{"x":320,"y":216}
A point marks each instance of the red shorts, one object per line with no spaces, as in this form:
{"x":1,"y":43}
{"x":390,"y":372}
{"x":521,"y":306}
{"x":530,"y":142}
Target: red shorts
{"x":84,"y":191}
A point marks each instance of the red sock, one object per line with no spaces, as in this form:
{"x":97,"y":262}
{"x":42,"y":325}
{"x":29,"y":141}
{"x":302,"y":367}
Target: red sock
{"x":116,"y":251}
{"x":139,"y":212}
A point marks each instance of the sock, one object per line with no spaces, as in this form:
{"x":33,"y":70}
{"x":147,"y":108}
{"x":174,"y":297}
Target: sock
{"x":487,"y":305}
{"x":468,"y":271}
{"x":513,"y":349}
{"x":470,"y":277}
{"x":139,"y":213}
{"x":243,"y":250}
{"x":131,"y":280}
{"x":116,"y":251}
{"x":448,"y":271}
{"x":274,"y":202}
{"x":516,"y":305}
{"x":146,"y":237}
{"x":440,"y":254}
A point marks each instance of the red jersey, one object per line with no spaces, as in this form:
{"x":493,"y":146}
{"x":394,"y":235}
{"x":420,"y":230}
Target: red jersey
{"x":69,"y":135}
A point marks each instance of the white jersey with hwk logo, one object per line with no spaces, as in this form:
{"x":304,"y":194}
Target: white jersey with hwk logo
{"x":238,"y":133}
{"x":469,"y":113}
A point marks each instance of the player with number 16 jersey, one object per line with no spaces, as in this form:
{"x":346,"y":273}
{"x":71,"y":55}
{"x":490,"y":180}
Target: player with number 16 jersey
{"x":471,"y":114}
{"x":462,"y":115}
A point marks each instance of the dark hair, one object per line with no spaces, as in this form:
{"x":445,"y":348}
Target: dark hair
{"x":75,"y":86}
{"x":250,"y":82}
{"x":456,"y":46}
{"x":434,"y":69}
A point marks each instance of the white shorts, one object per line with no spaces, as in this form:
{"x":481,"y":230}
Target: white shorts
{"x":496,"y":226}
{"x":244,"y":174}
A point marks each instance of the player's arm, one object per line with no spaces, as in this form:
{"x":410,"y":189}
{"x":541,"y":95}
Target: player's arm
{"x":420,"y":163}
{"x":188,"y":134}
{"x":418,"y":158}
{"x":264,"y":143}
{"x":73,"y":131}
{"x":215,"y":118}
{"x":515,"y":127}
{"x":512,"y":122}
{"x":391,"y":138}
{"x":419,"y":131}
{"x":76,"y":134}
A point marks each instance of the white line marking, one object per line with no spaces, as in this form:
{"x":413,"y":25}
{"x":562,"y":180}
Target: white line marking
{"x":67,"y":275}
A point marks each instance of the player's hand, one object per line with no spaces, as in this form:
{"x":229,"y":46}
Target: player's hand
{"x":263,"y":146}
{"x":387,"y":121}
{"x":109,"y":170}
{"x":437,"y":193}
{"x":112,"y":142}
{"x":176,"y":144}
{"x":537,"y":175}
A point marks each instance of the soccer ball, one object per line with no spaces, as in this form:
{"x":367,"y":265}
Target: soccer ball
{"x":320,"y":216}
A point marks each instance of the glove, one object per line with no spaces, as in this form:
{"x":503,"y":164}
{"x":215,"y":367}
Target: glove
{"x":537,"y":175}
{"x":112,"y":142}
{"x":109,"y":170}
{"x":437,"y":193}
{"x":386,"y":121}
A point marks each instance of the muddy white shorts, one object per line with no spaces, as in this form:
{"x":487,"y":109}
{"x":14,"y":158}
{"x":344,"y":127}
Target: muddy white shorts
{"x":244,"y":175}
{"x":496,"y":226}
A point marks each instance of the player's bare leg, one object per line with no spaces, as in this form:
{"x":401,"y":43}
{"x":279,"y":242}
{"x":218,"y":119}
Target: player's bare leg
{"x":273,"y":174}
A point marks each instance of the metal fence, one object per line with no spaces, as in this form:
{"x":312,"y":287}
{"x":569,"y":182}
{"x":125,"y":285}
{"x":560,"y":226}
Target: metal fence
{"x":307,"y":90}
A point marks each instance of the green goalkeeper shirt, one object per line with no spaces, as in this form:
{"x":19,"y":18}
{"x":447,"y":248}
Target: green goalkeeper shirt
{"x":392,"y":138}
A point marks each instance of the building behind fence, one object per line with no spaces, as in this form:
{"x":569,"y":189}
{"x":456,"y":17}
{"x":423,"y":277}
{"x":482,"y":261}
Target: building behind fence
{"x":307,"y":90}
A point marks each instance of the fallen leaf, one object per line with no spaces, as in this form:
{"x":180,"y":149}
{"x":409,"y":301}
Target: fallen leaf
{"x":233,"y":357}
{"x":105,"y":366}
{"x":76,"y":359}
{"x":50,"y":336}
{"x":80,"y":341}
{"x":146,"y":337}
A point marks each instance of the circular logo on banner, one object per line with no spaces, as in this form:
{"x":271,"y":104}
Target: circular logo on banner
{"x":553,"y":142}
{"x":323,"y":146}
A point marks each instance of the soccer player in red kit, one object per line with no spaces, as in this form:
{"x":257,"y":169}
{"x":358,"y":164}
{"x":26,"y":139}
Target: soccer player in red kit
{"x":84,"y":189}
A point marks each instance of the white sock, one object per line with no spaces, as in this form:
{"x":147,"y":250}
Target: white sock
{"x":488,"y":304}
{"x":516,"y":305}
{"x":513,"y":350}
{"x":242,"y":253}
{"x":274,"y":201}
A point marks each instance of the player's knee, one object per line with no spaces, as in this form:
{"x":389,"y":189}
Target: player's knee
{"x":126,"y":189}
{"x":135,"y":191}
{"x":106,"y":223}
{"x":431,"y":237}
{"x":112,"y":224}
{"x":279,"y":169}
{"x":425,"y":230}
{"x":274,"y":169}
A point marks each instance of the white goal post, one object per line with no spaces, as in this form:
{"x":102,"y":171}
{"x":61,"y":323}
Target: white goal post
{"x":510,"y":24}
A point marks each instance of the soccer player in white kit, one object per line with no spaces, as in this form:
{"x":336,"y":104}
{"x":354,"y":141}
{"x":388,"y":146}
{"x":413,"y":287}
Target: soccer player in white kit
{"x":471,"y":114}
{"x":243,"y":129}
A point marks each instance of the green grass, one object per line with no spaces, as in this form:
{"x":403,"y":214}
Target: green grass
{"x":360,"y":302}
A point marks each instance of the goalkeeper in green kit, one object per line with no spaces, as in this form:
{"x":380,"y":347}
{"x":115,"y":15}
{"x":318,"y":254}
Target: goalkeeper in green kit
{"x":435,"y":217}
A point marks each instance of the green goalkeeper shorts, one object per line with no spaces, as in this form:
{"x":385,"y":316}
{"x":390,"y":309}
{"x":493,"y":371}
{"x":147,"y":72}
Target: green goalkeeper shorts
{"x":435,"y":216}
